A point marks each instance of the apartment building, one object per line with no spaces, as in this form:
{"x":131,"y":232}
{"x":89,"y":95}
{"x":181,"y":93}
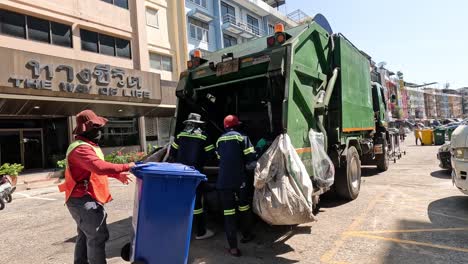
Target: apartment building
{"x":217,"y":24}
{"x":119,"y":58}
{"x":430,"y":102}
{"x":455,"y":102}
{"x":416,"y":109}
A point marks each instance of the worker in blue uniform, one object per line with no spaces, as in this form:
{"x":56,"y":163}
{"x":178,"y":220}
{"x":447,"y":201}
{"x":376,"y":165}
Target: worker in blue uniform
{"x":235,"y":152}
{"x":192,"y":147}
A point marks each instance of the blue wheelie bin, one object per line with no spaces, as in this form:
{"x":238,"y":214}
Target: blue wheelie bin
{"x":163,"y":212}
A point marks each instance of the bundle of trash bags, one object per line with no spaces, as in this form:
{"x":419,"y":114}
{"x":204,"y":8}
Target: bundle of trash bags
{"x":283,"y":187}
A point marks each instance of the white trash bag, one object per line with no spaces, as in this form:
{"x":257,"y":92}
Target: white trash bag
{"x":322,"y":166}
{"x":283,"y":188}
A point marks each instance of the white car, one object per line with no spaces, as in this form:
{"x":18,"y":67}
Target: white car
{"x":459,"y":146}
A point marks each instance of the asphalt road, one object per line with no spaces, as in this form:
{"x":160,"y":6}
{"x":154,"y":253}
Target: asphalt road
{"x":410,"y":214}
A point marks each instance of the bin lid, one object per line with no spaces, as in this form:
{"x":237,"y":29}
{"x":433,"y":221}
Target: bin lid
{"x":163,"y":169}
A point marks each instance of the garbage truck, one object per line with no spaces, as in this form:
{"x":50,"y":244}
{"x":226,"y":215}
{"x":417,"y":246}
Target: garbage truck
{"x":293,"y":81}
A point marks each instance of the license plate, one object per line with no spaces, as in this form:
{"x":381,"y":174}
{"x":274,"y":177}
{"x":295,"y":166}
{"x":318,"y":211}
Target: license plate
{"x":227,"y":67}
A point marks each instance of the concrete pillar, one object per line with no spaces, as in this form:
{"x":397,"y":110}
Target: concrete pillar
{"x":71,"y":126}
{"x":142,"y":133}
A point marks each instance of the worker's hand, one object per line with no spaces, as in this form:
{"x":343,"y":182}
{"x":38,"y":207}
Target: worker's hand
{"x":131,"y":165}
{"x":124,"y":178}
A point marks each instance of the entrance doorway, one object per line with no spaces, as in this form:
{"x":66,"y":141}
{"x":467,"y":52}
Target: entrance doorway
{"x":23,"y":146}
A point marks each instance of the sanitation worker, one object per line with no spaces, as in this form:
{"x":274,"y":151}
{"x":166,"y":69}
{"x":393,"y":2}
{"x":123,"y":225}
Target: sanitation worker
{"x":235,"y":153}
{"x":192,"y":147}
{"x":86,"y":187}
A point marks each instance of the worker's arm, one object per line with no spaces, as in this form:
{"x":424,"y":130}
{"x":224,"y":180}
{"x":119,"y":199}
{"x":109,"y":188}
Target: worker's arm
{"x":249,"y":150}
{"x":85,"y":157}
{"x":210,"y":151}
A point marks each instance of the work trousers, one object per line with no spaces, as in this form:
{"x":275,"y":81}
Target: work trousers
{"x":199,"y":217}
{"x":90,"y":217}
{"x":232,"y":200}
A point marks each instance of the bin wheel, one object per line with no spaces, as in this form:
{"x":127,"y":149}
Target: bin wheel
{"x":8,"y":198}
{"x":394,"y":160}
{"x":404,"y":153}
{"x":348,"y":177}
{"x":2,"y":204}
{"x":125,"y":252}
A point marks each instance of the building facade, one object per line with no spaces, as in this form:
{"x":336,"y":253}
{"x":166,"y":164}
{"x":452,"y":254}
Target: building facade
{"x":67,"y":56}
{"x":430,"y":103}
{"x":455,"y":102}
{"x":416,"y":109}
{"x":217,"y":24}
{"x":464,"y":94}
{"x":442,"y":105}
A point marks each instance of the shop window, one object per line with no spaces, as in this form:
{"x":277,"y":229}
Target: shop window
{"x":89,"y":40}
{"x":229,"y":41}
{"x":105,"y":44}
{"x":152,"y":17}
{"x":121,"y":132}
{"x":160,"y":62}
{"x":12,"y":24}
{"x":38,"y":29}
{"x":119,"y":3}
{"x":61,"y":34}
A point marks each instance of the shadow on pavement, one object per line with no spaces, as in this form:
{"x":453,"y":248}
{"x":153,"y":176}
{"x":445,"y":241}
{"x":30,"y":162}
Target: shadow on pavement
{"x":120,"y":234}
{"x":441,"y":174}
{"x":369,"y":171}
{"x":442,"y":240}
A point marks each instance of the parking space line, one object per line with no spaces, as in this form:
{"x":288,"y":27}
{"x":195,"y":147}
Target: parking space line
{"x":327,"y":257}
{"x":36,"y":198}
{"x":410,"y":242}
{"x":407,"y":231}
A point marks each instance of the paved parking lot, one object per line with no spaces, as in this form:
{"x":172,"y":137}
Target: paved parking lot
{"x":409,"y":214}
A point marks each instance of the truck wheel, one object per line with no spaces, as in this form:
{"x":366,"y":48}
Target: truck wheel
{"x":8,"y":198}
{"x":383,"y":159}
{"x":348,"y":180}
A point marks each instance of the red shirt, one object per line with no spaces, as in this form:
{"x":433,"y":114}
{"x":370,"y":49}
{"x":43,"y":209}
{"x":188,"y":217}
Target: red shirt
{"x":83,"y":160}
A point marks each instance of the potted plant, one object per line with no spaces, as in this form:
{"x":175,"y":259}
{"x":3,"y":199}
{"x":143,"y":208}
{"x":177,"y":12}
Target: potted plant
{"x":11,"y":170}
{"x":61,"y":164}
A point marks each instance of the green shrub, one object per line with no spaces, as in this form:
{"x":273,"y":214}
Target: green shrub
{"x":11,"y":169}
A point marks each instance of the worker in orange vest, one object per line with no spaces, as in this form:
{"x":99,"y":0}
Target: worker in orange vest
{"x":86,"y":187}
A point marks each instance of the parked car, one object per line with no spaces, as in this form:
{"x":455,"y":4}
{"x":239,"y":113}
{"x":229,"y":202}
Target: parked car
{"x":459,"y":159}
{"x":444,"y":157}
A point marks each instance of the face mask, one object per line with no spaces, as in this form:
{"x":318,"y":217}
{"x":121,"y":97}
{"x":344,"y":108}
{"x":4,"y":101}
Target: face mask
{"x":94,"y":135}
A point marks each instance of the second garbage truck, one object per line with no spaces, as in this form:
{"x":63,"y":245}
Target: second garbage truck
{"x":291,"y":82}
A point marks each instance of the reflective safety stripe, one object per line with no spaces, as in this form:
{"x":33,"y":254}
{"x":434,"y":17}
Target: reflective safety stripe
{"x":228,"y":138}
{"x":244,"y":208}
{"x":198,"y":211}
{"x":209,"y":148}
{"x":174,"y":145}
{"x":249,"y":150}
{"x":185,"y":134}
{"x":217,"y":155}
{"x":230,"y":212}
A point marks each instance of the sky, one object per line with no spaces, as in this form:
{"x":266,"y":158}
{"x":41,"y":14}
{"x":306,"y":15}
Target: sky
{"x":425,"y":39}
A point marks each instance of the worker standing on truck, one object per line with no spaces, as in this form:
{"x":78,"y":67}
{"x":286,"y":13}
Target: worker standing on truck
{"x":86,"y":187}
{"x":192,"y":147}
{"x":235,"y":152}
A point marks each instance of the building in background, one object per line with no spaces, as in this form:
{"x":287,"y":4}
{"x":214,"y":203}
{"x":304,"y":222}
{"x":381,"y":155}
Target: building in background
{"x":119,"y":58}
{"x":416,"y":108}
{"x":455,"y":102}
{"x":464,"y":94}
{"x":430,"y":103}
{"x":442,"y":104}
{"x":217,"y":24}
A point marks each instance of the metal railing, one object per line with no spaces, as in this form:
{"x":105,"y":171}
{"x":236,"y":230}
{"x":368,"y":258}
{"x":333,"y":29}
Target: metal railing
{"x":231,"y":19}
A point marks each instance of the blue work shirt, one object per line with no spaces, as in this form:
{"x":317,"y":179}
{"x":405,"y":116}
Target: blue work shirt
{"x":234,"y":151}
{"x":192,"y":148}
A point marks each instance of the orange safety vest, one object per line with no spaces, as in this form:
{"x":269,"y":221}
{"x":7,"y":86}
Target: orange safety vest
{"x":99,"y":183}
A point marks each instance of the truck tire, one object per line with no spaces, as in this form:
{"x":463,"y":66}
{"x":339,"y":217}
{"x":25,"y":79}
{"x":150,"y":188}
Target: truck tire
{"x":348,"y":180}
{"x":382,"y":159}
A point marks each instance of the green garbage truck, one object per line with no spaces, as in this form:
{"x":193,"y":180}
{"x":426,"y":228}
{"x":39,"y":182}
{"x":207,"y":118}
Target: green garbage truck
{"x":290,"y":82}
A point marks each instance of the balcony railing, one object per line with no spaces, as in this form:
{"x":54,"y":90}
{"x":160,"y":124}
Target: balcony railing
{"x":232,"y":20}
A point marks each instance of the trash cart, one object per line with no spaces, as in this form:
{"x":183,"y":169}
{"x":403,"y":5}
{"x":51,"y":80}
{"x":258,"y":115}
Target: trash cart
{"x":426,"y":137}
{"x":163,"y":212}
{"x":439,"y":136}
{"x":449,"y":132}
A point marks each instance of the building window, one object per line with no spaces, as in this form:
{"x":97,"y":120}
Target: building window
{"x":104,"y":44}
{"x":271,"y":29}
{"x":152,"y":17}
{"x":119,"y":3}
{"x":120,"y":132}
{"x":227,"y":11}
{"x":160,"y":62}
{"x":198,"y":30}
{"x":229,"y":41}
{"x":28,"y":27}
{"x":199,"y":2}
{"x":252,"y":24}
